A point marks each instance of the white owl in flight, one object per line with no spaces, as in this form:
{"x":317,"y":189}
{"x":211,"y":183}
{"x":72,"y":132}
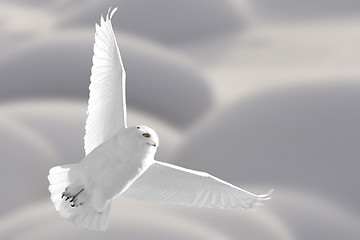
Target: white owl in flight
{"x":120,"y":160}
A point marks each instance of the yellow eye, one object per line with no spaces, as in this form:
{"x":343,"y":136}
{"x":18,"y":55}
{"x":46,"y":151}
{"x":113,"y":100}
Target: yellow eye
{"x":146,"y":135}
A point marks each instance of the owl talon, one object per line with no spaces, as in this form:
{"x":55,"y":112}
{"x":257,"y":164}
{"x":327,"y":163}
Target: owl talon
{"x":75,"y":194}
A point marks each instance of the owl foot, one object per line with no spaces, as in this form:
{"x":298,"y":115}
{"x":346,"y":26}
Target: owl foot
{"x":75,"y":194}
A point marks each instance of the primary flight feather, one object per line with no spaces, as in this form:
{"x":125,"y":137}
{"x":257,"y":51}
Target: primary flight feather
{"x":120,"y":160}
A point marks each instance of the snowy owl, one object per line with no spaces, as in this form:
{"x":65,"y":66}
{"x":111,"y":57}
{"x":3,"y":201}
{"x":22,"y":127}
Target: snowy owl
{"x":120,"y":160}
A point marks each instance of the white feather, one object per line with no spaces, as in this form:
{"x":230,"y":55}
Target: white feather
{"x":120,"y":160}
{"x":171,"y":184}
{"x":107,"y":106}
{"x":83,"y":216}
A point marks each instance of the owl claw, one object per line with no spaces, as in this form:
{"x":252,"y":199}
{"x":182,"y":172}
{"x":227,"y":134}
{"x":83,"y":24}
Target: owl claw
{"x":75,"y":195}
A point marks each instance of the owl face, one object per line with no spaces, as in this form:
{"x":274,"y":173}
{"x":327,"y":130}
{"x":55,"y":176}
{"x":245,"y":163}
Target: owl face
{"x":141,"y":140}
{"x":148,"y":136}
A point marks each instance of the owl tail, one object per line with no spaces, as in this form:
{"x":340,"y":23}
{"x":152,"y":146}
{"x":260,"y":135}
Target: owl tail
{"x":83,"y":216}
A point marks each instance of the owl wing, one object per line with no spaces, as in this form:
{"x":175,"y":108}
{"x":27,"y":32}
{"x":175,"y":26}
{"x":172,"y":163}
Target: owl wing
{"x":171,"y":184}
{"x":107,"y":105}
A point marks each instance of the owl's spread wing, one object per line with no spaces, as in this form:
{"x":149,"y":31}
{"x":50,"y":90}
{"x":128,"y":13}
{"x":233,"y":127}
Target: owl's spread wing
{"x":107,"y":106}
{"x":171,"y":184}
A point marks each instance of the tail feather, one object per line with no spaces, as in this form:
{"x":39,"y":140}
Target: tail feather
{"x":83,"y":216}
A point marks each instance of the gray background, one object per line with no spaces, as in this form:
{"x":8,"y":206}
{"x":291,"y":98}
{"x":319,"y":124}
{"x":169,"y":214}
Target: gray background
{"x":264,"y":95}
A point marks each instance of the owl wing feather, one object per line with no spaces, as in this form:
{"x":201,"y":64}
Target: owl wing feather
{"x":171,"y":184}
{"x":107,"y":103}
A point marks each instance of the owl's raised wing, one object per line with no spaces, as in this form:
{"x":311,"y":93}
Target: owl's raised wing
{"x":107,"y":103}
{"x":170,"y":184}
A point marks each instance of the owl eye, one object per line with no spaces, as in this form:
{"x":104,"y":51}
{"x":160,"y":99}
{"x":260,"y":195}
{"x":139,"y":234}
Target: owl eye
{"x":146,"y":135}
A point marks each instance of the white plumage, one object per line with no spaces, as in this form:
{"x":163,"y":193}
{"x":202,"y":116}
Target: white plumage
{"x":120,"y":160}
{"x":107,"y":105}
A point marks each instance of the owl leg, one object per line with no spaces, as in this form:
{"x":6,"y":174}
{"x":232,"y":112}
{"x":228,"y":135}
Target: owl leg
{"x":76,"y":195}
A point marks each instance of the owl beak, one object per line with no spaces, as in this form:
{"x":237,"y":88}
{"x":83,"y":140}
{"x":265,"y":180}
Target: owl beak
{"x":151,"y":143}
